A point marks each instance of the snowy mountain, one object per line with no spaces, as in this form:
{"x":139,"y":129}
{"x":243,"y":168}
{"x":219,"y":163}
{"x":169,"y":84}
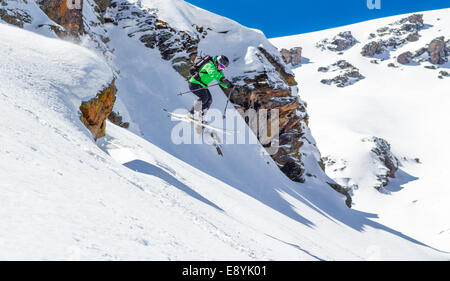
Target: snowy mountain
{"x":136,"y":193}
{"x":378,"y":97}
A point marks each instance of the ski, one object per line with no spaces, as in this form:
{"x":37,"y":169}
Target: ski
{"x":185,"y":118}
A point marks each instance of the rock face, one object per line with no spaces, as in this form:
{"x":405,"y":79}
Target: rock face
{"x":381,"y":151}
{"x":256,"y":93}
{"x":69,"y":17}
{"x":95,"y":111}
{"x":177,"y":46}
{"x":292,"y":56}
{"x":13,"y":15}
{"x":394,"y":36}
{"x":347,"y":74}
{"x":341,"y":42}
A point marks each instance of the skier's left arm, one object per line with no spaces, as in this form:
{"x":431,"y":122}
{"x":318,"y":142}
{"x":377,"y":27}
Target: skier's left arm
{"x":225,"y":83}
{"x":210,"y":68}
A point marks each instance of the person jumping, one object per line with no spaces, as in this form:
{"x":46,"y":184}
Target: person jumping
{"x":209,"y":69}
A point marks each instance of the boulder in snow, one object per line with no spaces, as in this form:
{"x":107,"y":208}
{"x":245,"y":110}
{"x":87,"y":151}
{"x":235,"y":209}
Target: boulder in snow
{"x":292,"y":56}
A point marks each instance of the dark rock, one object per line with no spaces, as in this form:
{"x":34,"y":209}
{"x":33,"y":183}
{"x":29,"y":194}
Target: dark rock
{"x":293,"y":171}
{"x":288,"y":78}
{"x":382,"y":150}
{"x":438,"y":51}
{"x":70,"y":19}
{"x":348,"y":74}
{"x":341,"y":42}
{"x":420,"y":52}
{"x":116,"y":119}
{"x":292,"y":56}
{"x":404,"y":58}
{"x":400,"y":33}
{"x":95,"y":111}
{"x":14,"y":16}
{"x":373,"y":48}
{"x":412,"y":37}
{"x":344,"y":191}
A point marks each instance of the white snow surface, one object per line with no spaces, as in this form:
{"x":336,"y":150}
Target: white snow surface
{"x":136,"y":195}
{"x":407,"y":106}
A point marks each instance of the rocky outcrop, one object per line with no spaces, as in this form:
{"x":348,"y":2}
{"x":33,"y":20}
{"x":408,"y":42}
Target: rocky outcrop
{"x":13,"y":15}
{"x":69,"y":17}
{"x":381,"y":166}
{"x":347,"y":74}
{"x":116,"y":119}
{"x":394,"y":36}
{"x":292,"y":56}
{"x":443,"y":74}
{"x":288,"y":78}
{"x":404,"y":58}
{"x":373,"y":48}
{"x":388,"y":163}
{"x":341,"y":42}
{"x":337,"y":169}
{"x":256,"y":93}
{"x":177,"y":46}
{"x":95,"y":111}
{"x":344,"y":191}
{"x":438,"y":51}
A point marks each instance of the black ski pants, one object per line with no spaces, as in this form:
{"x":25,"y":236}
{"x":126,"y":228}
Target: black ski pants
{"x":204,"y":97}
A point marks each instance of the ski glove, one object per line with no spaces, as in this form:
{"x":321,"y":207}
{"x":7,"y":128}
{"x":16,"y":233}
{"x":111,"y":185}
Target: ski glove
{"x":226,"y":82}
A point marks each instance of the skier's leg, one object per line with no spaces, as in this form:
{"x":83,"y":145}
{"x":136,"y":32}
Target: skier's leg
{"x":196,"y":90}
{"x":206,"y":101}
{"x":204,"y":98}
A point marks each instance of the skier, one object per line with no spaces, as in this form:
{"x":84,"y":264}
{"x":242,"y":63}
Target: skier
{"x":204,"y":72}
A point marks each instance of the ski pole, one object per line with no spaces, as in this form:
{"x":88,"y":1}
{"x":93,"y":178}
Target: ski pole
{"x":196,"y":90}
{"x":226,"y":104}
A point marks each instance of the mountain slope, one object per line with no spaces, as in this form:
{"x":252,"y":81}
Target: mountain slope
{"x":137,"y":195}
{"x":404,"y":104}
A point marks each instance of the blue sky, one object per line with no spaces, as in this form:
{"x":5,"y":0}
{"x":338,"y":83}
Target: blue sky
{"x":288,"y":17}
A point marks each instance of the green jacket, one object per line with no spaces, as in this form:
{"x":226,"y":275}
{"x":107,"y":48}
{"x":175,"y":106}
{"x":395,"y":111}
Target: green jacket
{"x":207,"y":74}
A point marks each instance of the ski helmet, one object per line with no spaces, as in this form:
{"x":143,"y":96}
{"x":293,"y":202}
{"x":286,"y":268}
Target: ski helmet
{"x":223,"y":60}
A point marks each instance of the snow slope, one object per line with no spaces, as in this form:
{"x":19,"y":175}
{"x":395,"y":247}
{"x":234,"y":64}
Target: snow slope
{"x":137,"y":195}
{"x":407,"y":106}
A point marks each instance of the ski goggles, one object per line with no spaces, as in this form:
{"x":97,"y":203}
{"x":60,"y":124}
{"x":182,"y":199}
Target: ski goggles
{"x":221,"y":66}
